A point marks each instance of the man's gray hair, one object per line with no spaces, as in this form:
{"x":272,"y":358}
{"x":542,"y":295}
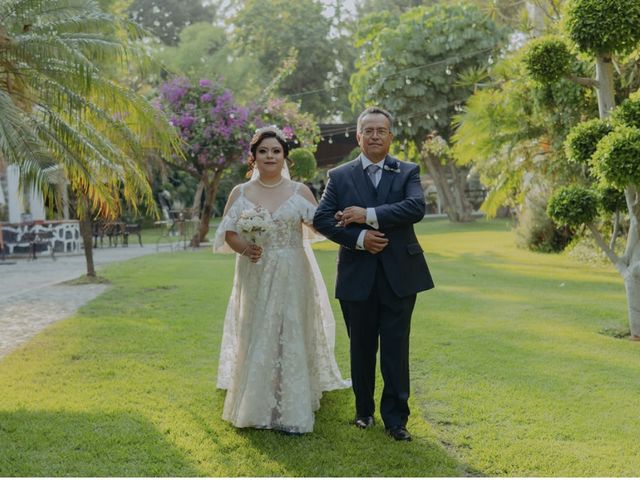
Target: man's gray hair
{"x":374,"y":110}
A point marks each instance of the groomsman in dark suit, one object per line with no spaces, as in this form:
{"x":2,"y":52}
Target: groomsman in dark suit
{"x":369,"y":207}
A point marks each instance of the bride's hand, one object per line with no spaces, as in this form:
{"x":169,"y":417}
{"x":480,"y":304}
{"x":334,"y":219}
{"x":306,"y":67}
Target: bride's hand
{"x":253,"y":252}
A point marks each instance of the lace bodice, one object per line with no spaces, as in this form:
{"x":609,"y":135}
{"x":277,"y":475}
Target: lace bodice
{"x":288,"y":219}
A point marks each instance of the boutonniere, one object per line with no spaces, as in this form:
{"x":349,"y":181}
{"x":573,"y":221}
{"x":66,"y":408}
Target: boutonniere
{"x":392,"y":167}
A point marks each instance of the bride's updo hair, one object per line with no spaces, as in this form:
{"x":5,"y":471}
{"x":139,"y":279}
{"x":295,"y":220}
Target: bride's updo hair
{"x":265,"y":132}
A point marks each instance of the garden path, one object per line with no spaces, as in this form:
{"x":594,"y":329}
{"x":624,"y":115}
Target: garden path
{"x":31,"y":296}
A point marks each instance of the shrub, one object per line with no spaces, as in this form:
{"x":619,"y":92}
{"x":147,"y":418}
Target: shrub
{"x":547,"y":59}
{"x":628,"y":112}
{"x":617,"y":158}
{"x":573,"y":205}
{"x":536,"y":231}
{"x":611,"y":199}
{"x":582,"y":141}
{"x":303,"y":164}
{"x":604,"y":26}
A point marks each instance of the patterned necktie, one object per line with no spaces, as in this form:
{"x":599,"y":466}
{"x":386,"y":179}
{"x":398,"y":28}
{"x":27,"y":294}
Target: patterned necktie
{"x":371,"y":171}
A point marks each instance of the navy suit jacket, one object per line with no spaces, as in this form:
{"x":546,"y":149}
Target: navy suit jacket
{"x":399,"y":203}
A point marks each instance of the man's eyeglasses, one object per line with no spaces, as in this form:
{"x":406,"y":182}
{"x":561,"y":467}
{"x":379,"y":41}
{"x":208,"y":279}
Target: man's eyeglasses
{"x":370,"y":132}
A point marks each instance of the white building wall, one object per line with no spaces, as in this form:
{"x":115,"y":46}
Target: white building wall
{"x":14,"y":198}
{"x":36,"y":205}
{"x":18,"y":204}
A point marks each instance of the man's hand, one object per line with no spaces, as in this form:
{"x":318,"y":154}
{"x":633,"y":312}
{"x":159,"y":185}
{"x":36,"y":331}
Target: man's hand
{"x":374,"y":241}
{"x":354,"y":215}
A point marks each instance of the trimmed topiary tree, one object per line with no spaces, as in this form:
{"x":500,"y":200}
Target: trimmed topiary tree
{"x":628,"y":113}
{"x":617,"y":158}
{"x":583,"y":139}
{"x":573,"y":205}
{"x":303,"y":164}
{"x":548,"y":59}
{"x":603,"y":28}
{"x":611,"y":200}
{"x":610,"y":145}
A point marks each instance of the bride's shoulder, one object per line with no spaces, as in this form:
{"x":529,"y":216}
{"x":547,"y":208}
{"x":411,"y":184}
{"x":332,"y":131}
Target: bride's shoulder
{"x":236,"y":192}
{"x":304,"y":192}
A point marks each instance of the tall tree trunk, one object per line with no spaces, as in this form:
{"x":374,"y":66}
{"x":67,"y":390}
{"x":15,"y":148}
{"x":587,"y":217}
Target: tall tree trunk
{"x":207,"y":209}
{"x":452,"y":195}
{"x":632,"y":287}
{"x":463,"y":206}
{"x":195,"y":210}
{"x":86,"y":232}
{"x":628,"y":265}
{"x":439,"y":177}
{"x":605,"y":90}
{"x":632,"y":257}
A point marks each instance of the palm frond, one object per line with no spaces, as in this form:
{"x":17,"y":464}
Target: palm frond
{"x":81,"y":172}
{"x":94,"y":160}
{"x":19,"y":144}
{"x":64,"y":108}
{"x":45,"y":11}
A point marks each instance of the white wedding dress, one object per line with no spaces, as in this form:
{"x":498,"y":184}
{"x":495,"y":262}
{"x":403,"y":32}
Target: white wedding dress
{"x":277,"y":354}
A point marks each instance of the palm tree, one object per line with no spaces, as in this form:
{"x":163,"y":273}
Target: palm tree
{"x":61,"y":106}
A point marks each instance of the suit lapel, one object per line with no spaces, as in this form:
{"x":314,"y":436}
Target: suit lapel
{"x":385,"y":182}
{"x":364,"y":188}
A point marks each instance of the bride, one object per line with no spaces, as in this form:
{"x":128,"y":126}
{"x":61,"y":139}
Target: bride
{"x":277,"y":356}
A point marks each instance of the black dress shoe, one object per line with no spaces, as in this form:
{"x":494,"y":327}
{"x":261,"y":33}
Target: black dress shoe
{"x":400,"y":433}
{"x":364,"y":422}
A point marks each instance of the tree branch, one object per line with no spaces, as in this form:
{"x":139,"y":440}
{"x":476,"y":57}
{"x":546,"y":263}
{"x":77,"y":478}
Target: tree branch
{"x":584,"y":81}
{"x":605,"y":248}
{"x":181,"y":167}
{"x":616,"y":231}
{"x":631,"y":196}
{"x":540,"y":5}
{"x":556,"y":9}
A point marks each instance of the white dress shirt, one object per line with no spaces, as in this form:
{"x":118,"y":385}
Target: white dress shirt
{"x":372,"y":218}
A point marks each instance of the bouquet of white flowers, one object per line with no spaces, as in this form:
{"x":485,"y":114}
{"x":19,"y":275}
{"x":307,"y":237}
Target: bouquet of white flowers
{"x":254,"y":224}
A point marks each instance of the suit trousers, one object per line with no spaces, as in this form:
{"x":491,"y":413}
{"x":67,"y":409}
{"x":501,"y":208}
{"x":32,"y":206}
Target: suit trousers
{"x":386,"y":317}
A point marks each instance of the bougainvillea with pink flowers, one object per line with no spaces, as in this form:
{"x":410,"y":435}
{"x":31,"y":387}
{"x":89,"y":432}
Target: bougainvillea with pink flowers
{"x":301,"y":128}
{"x":213,"y":126}
{"x":216,"y":131}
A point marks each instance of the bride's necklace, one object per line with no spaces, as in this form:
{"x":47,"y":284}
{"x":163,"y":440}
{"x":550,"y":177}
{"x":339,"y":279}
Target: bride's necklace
{"x":266,"y":185}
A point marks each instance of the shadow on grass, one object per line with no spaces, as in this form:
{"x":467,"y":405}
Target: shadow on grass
{"x":337,"y":448}
{"x":56,"y":444}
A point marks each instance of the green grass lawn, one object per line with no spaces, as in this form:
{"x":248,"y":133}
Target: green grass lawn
{"x":510,"y":376}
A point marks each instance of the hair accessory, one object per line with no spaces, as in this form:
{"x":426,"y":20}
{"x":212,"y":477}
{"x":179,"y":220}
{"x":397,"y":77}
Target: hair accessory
{"x":271,"y":128}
